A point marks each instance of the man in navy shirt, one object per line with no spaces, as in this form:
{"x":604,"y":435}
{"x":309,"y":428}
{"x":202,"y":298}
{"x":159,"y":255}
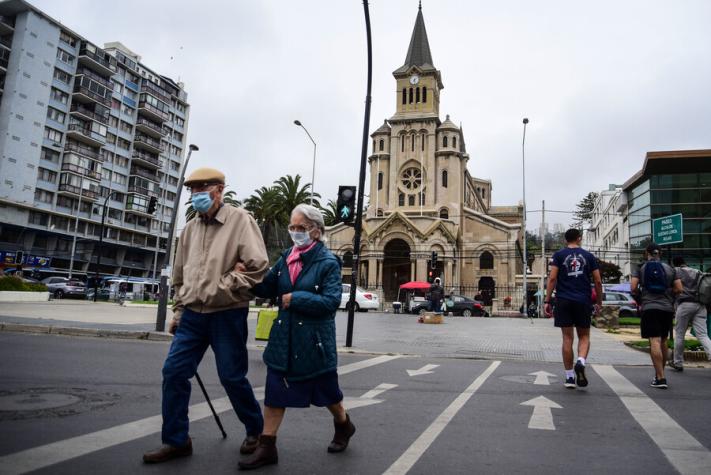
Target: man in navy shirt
{"x":570,"y":277}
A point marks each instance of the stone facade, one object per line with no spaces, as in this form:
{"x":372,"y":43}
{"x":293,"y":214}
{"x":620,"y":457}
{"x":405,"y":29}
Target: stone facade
{"x":423,"y":198}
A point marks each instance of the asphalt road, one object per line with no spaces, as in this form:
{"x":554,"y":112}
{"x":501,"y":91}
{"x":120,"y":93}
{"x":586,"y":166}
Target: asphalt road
{"x":460,"y":416}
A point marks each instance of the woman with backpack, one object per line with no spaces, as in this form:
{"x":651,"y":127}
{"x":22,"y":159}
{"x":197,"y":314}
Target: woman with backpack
{"x":659,"y":284}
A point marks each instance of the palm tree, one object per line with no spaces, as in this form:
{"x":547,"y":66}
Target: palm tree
{"x":291,"y":193}
{"x":229,"y":198}
{"x":330,"y":213}
{"x":264,"y":204}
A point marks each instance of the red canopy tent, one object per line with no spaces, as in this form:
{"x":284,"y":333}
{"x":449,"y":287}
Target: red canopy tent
{"x":416,"y":285}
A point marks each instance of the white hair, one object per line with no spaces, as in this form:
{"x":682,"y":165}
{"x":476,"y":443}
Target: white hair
{"x":312,"y":214}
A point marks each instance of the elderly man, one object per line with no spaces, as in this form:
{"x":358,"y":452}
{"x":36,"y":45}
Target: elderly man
{"x":220,"y":256}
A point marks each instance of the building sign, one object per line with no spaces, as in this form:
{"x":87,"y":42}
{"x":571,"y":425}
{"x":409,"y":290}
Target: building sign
{"x":13,"y":258}
{"x":668,"y":230}
{"x":38,"y":261}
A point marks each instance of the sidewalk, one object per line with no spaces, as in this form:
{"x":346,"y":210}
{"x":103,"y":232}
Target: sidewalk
{"x":458,"y":337}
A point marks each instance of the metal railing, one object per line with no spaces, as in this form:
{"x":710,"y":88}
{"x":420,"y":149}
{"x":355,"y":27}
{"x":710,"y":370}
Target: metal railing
{"x":95,"y":57}
{"x":153,"y":109}
{"x":89,"y":113}
{"x":146,"y":157}
{"x":150,"y":88}
{"x":144,"y":173}
{"x":151,"y":125}
{"x":78,"y":89}
{"x":140,"y":190}
{"x":92,"y":195}
{"x":141,"y":138}
{"x":86,"y":131}
{"x":87,"y":151}
{"x":71,"y":167}
{"x":84,"y":71}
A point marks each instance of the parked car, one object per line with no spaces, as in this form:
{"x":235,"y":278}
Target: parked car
{"x":62,"y":287}
{"x":364,"y":300}
{"x":458,"y":305}
{"x":627,"y":304}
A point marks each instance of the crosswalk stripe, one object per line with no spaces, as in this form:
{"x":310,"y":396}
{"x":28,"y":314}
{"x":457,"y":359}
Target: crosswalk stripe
{"x":63,"y":450}
{"x":684,"y":452}
{"x":406,"y":461}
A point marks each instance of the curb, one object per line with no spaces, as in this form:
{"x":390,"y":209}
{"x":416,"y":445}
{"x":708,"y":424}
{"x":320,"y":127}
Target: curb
{"x":92,"y":332}
{"x":688,"y":355}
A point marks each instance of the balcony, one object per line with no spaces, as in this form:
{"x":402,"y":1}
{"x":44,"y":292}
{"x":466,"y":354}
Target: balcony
{"x":152,"y":112}
{"x":86,"y":113}
{"x":83,"y":94}
{"x":71,"y":167}
{"x":147,"y":174}
{"x":146,"y":159}
{"x":147,"y":143}
{"x":82,"y":71}
{"x":140,"y":190}
{"x":88,"y":152}
{"x":71,"y":190}
{"x":154,"y":90}
{"x":6,"y":42}
{"x":150,"y":128}
{"x":137,"y":209}
{"x":96,"y":60}
{"x":7,"y":25}
{"x":83,"y":133}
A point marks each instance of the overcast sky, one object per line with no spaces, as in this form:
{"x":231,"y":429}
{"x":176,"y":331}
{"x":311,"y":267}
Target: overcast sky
{"x":601,"y":82}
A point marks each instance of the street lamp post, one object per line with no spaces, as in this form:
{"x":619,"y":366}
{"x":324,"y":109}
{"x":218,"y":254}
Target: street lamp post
{"x":101,"y":242}
{"x":313,"y":166}
{"x":525,"y":256}
{"x":163,"y":301}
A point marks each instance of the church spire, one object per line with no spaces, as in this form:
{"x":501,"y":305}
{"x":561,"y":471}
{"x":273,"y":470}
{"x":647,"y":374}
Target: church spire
{"x":418,"y":54}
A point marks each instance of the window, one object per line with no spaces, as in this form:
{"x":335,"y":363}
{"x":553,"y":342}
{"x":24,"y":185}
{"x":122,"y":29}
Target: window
{"x":454,"y":142}
{"x":401,"y":199}
{"x":65,"y":38}
{"x":64,"y":57}
{"x":444,"y":141}
{"x":61,"y":76}
{"x":124,"y":144}
{"x":178,"y":136}
{"x":348,"y":259}
{"x":126,"y":127}
{"x":380,"y":180}
{"x":180,"y":107}
{"x":444,"y":178}
{"x":38,"y":218}
{"x":51,"y":134}
{"x":424,"y":93}
{"x":43,"y":196}
{"x":402,"y":143}
{"x":179,"y":122}
{"x":411,"y":178}
{"x":444,"y":213}
{"x":120,"y":161}
{"x":119,"y":179}
{"x":381,"y":145}
{"x":412,"y":143}
{"x":59,"y":96}
{"x":486,"y":260}
{"x":65,"y":202}
{"x":422,"y":197}
{"x":417,"y":95}
{"x":110,"y":138}
{"x":49,"y":155}
{"x":422,"y":142}
{"x":56,"y":115}
{"x":404,"y":95}
{"x":379,"y":213}
{"x":411,"y":200}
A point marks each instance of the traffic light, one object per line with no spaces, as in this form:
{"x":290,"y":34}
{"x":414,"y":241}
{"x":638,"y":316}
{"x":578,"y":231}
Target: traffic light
{"x":433,"y":260}
{"x":345,"y":204}
{"x":19,"y":257}
{"x":430,"y":276}
{"x":152,"y":205}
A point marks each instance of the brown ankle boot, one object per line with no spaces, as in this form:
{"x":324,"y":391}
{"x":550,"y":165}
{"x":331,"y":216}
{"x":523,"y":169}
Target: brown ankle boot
{"x":266,"y":454}
{"x":344,"y":431}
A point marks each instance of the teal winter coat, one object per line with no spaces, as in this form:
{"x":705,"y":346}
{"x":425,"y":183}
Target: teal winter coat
{"x":302,"y":341}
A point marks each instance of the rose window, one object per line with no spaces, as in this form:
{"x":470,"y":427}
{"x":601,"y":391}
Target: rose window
{"x":411,"y":178}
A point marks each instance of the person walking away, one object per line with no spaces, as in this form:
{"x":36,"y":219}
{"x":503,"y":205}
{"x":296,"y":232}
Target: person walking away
{"x":220,"y":256}
{"x":436,"y":295}
{"x":301,"y":353}
{"x":570,"y":275}
{"x":689,"y":311}
{"x":659,"y":282}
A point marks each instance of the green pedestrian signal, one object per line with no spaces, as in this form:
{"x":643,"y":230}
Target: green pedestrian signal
{"x":345,"y":204}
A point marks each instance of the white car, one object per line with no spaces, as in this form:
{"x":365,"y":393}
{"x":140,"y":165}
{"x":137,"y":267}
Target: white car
{"x":364,"y":300}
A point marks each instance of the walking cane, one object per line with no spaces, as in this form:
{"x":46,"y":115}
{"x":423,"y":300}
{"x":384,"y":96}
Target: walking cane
{"x":207,"y":398}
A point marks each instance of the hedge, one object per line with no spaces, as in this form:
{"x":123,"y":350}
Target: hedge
{"x":18,"y":285}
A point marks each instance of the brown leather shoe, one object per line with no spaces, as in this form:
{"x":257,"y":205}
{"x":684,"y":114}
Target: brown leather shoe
{"x":249,"y":444}
{"x":344,"y":432}
{"x":168,"y":452}
{"x":266,"y":454}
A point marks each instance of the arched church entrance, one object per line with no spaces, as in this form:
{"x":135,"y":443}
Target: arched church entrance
{"x":487,"y":289}
{"x":396,"y":267}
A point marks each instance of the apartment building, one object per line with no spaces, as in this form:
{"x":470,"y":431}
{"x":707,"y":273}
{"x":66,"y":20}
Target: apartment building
{"x":608,"y":236}
{"x":83,"y":128}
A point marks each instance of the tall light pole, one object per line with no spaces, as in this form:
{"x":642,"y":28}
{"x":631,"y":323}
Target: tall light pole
{"x":163,"y":301}
{"x":313,"y":166}
{"x":525,"y":256}
{"x":76,"y":225}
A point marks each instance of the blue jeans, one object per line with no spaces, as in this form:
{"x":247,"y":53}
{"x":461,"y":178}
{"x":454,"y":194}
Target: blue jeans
{"x":226,"y":333}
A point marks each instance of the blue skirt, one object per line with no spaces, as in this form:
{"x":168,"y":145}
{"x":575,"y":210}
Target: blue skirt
{"x":320,"y":391}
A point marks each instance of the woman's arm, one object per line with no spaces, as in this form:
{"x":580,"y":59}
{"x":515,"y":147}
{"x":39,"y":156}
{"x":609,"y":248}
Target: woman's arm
{"x":327,"y":301}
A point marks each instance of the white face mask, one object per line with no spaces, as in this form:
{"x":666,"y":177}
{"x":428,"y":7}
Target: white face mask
{"x":300,"y":238}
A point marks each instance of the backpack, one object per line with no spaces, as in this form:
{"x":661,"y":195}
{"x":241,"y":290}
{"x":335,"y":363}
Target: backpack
{"x":655,"y":278}
{"x":703,"y":289}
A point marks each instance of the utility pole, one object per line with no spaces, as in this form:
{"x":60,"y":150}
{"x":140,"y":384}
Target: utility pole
{"x":544,"y":272}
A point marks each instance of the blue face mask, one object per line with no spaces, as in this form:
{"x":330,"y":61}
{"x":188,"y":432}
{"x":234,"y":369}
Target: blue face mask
{"x":301,"y":239}
{"x":202,"y":201}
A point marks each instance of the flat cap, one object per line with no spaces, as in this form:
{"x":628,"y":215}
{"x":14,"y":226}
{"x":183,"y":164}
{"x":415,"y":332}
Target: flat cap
{"x":205,"y":176}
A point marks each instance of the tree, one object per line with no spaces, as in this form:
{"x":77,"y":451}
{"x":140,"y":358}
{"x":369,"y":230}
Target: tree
{"x":609,"y":272}
{"x":229,"y":198}
{"x":291,"y":194}
{"x":584,"y":210}
{"x":330,"y":213}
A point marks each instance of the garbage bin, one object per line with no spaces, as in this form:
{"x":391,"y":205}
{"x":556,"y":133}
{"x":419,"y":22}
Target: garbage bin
{"x":396,"y":307}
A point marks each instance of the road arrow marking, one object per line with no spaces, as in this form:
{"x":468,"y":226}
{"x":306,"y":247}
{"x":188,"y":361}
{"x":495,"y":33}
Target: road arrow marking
{"x":542,"y":377}
{"x":368,"y":398}
{"x":426,"y":369}
{"x":542,"y":417}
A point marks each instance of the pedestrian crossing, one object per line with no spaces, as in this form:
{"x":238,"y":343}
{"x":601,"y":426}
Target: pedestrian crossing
{"x":424,"y":415}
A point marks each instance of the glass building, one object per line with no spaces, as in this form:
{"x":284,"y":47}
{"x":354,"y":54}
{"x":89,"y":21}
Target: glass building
{"x":674,"y":182}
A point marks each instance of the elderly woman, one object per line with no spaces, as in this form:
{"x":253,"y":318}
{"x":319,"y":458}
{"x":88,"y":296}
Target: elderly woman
{"x":301,"y":353}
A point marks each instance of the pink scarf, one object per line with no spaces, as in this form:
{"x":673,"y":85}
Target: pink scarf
{"x":294,"y":262}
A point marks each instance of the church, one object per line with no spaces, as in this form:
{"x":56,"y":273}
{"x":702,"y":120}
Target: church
{"x":423,"y":199}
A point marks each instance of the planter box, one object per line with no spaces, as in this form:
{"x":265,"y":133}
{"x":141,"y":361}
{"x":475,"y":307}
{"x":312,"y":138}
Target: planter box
{"x":16,"y":296}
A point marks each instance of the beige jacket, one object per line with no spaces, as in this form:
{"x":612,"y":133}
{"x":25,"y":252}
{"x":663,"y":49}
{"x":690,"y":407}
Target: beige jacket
{"x":204,"y":277}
